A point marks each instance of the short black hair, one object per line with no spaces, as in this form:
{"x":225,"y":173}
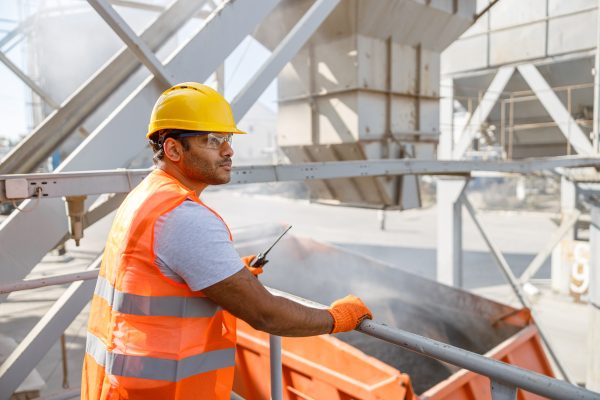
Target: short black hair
{"x":157,"y":139}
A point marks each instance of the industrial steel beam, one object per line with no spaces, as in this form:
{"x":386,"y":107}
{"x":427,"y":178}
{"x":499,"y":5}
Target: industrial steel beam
{"x":569,"y":128}
{"x":284,"y":52}
{"x":137,"y":46}
{"x":496,"y":253}
{"x":44,"y":139}
{"x":121,"y":137}
{"x":45,"y":334}
{"x":46,"y":281}
{"x":489,"y":100}
{"x":28,"y":81}
{"x":449,"y":231}
{"x":138,"y":5}
{"x":446,"y":137}
{"x":512,"y":281}
{"x":53,"y":185}
{"x":556,"y":237}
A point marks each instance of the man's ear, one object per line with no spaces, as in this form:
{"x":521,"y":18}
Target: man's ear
{"x":172,"y":149}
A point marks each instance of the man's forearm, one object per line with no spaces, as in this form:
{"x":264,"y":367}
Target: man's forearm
{"x":245,"y":297}
{"x":287,"y":318}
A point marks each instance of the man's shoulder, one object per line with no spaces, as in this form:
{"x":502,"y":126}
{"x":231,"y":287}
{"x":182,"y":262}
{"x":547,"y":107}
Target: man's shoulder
{"x":192,"y":215}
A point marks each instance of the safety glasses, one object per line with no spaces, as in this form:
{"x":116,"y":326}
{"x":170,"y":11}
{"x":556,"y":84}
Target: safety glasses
{"x":213,"y":140}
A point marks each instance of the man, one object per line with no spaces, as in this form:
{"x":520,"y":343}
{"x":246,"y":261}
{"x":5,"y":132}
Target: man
{"x":162,"y":319}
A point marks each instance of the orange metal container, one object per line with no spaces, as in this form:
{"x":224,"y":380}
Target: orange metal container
{"x":323,"y":367}
{"x":318,"y":367}
{"x":362,"y":367}
{"x":524,"y":349}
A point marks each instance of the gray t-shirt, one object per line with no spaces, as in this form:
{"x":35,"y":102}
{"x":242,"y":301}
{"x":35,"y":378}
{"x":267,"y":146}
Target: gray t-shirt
{"x":192,"y":245}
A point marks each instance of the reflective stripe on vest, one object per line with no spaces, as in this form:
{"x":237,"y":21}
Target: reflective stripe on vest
{"x":157,"y":368}
{"x":160,"y":306}
{"x":146,"y":331}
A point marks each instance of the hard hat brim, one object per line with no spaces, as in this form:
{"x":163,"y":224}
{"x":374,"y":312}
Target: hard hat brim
{"x":191,"y":126}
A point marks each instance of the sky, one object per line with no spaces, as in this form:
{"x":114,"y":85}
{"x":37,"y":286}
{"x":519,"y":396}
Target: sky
{"x":15,"y":96}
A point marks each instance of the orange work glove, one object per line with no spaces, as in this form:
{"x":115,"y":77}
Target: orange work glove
{"x":247,"y":260}
{"x":348,"y":313}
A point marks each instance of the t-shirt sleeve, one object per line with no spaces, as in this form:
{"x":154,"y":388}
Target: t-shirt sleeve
{"x":193,"y":243}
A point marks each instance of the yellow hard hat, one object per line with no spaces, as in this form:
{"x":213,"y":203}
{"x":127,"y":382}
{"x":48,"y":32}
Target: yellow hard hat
{"x":194,"y":107}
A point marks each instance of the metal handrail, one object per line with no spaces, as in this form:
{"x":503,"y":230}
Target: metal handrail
{"x":28,"y":284}
{"x":497,"y":371}
{"x":505,"y":378}
{"x":501,"y":374}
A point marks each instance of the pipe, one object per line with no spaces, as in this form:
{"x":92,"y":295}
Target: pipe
{"x":65,"y":365}
{"x":276,"y":367}
{"x":48,"y":281}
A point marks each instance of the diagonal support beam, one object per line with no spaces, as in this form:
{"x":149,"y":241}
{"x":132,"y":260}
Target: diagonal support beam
{"x":556,"y":109}
{"x":45,"y":333}
{"x":137,"y":4}
{"x":496,"y":253}
{"x":133,"y":42}
{"x":489,"y":100}
{"x":557,"y":236}
{"x":28,"y":81}
{"x":512,"y":280}
{"x":284,"y":52}
{"x":121,"y":137}
{"x":42,"y":141}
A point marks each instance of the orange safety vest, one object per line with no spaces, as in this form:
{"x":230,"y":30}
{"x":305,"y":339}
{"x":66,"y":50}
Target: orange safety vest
{"x":148,"y":336}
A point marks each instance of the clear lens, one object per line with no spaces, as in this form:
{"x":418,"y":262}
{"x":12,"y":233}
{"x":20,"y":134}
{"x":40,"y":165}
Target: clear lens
{"x":216,"y":140}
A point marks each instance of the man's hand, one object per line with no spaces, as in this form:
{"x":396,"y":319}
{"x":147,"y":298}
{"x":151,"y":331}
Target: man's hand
{"x":348,"y":313}
{"x":247,"y":260}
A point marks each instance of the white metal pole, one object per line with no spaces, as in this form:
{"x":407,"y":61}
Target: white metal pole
{"x":449,"y":232}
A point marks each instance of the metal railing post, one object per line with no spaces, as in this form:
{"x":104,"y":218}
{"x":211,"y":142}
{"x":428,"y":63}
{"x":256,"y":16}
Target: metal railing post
{"x":276,"y":367}
{"x":500,"y":391}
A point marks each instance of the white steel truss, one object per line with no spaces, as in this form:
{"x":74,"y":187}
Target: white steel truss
{"x":133,"y":42}
{"x":489,"y":100}
{"x":556,"y":109}
{"x":36,"y":147}
{"x":30,"y":351}
{"x":118,"y":138}
{"x":115,"y":142}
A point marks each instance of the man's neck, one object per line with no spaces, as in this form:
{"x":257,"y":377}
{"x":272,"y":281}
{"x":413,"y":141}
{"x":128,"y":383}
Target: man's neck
{"x":172,"y":170}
